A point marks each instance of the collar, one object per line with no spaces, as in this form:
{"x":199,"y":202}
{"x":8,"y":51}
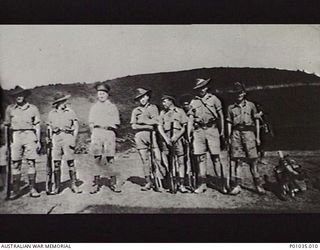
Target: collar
{"x":206,"y":96}
{"x":24,"y":107}
{"x":105,"y":102}
{"x":239,"y":105}
{"x":172,"y":108}
{"x":61,"y":110}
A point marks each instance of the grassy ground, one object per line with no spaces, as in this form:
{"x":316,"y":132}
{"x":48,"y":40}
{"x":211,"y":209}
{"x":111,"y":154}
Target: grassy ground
{"x":132,"y":200}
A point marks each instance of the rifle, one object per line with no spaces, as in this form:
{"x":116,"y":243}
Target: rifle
{"x":191,"y":165}
{"x":228,"y":148}
{"x":9,"y":139}
{"x":49,"y":177}
{"x":156,"y":176}
{"x":172,"y":164}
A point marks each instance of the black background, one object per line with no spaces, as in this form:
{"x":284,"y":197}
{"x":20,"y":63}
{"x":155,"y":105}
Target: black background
{"x":160,"y":228}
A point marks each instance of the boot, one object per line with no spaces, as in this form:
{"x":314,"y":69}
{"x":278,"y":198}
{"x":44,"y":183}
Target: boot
{"x":182,"y":188}
{"x":114,"y":185}
{"x":96,"y":185}
{"x":258,"y":184}
{"x":189,"y":182}
{"x":224,"y":188}
{"x":15,"y":187}
{"x":148,"y":185}
{"x":202,"y":186}
{"x":49,"y":185}
{"x":2,"y":177}
{"x":158,"y":187}
{"x":32,"y":183}
{"x":236,"y":189}
{"x":73,"y":178}
{"x":57,"y":181}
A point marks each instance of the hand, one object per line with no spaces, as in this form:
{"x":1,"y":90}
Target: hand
{"x":75,"y":140}
{"x":229,"y":140}
{"x":222,"y":134}
{"x":167,"y":140}
{"x":258,"y":141}
{"x":190,"y":137}
{"x":174,"y":139}
{"x":38,"y":146}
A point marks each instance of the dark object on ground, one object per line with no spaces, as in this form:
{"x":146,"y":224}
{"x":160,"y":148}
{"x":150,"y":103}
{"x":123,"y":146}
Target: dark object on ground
{"x":290,"y":176}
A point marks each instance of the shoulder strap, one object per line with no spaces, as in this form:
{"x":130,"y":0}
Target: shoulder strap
{"x":214,"y":115}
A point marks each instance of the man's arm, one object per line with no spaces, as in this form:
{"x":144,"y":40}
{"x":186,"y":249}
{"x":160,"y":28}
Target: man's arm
{"x":134,"y":123}
{"x":179,"y":134}
{"x":257,"y":122}
{"x":76,"y":128}
{"x":37,"y":123}
{"x":220,"y":113}
{"x":229,"y":123}
{"x":163,"y":134}
{"x":258,"y":131}
{"x":161,"y":131}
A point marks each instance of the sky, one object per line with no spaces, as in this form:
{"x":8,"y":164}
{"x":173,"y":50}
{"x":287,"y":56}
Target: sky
{"x":34,"y":55}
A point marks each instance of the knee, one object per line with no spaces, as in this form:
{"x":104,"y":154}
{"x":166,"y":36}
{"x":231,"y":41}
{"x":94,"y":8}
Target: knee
{"x":215,"y":159}
{"x":31,"y":163}
{"x":32,"y":166}
{"x":57,"y":165}
{"x":70,"y":163}
{"x":201,"y":158}
{"x":16,"y":167}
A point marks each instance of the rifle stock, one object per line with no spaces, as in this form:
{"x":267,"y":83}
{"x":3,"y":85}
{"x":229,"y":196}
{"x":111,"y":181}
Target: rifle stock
{"x":154,"y":166}
{"x":172,"y":164}
{"x":9,"y":139}
{"x":49,"y":182}
{"x":191,"y":165}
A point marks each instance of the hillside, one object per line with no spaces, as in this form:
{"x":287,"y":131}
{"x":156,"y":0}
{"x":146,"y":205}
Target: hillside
{"x":291,"y":108}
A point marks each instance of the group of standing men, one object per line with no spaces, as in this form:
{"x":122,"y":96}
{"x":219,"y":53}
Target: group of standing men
{"x":197,"y":128}
{"x":172,"y":144}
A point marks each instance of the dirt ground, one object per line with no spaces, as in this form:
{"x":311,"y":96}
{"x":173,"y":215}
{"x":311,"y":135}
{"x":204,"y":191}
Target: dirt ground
{"x":132,"y":200}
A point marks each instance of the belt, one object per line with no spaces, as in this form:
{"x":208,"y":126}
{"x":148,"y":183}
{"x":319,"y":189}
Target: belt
{"x":143,"y":130}
{"x":242,"y":127}
{"x":24,"y":129}
{"x":168,"y":130}
{"x":205,"y":125}
{"x":58,"y":131}
{"x":104,"y":127}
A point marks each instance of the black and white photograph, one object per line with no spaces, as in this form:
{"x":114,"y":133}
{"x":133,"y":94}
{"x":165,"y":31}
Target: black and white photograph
{"x":160,"y":119}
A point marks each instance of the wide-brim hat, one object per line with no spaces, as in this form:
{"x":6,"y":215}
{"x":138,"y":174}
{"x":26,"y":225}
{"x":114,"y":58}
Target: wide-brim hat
{"x":169,"y":97}
{"x":141,"y":92}
{"x":200,"y":83}
{"x":59,"y":97}
{"x":102,"y":87}
{"x":18,"y":90}
{"x":238,"y":88}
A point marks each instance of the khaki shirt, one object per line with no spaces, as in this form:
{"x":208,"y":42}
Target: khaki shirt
{"x":62,"y":119}
{"x":22,"y":117}
{"x":176,"y":115}
{"x":104,"y":114}
{"x":141,"y":114}
{"x":201,"y":112}
{"x":245,"y":114}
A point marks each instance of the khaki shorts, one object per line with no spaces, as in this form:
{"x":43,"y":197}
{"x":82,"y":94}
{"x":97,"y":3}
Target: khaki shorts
{"x":243,"y":144}
{"x":206,"y":139}
{"x":103,"y":142}
{"x":143,"y":140}
{"x":3,"y":155}
{"x":63,"y":144}
{"x":178,"y":148}
{"x":24,"y":144}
